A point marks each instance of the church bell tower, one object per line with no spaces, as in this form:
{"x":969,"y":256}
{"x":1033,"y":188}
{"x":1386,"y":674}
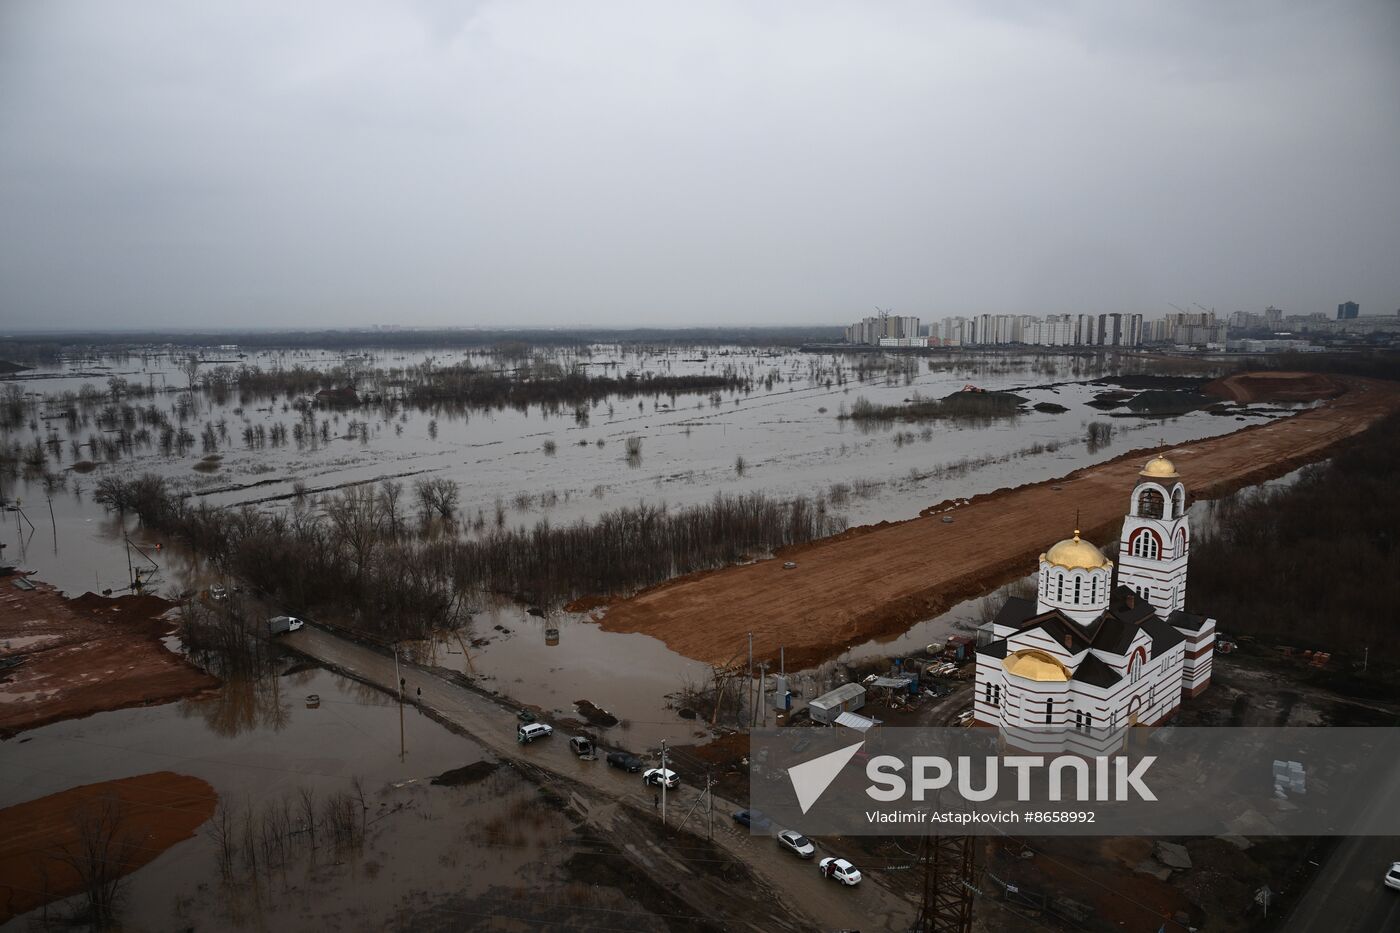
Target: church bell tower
{"x":1156,"y":538}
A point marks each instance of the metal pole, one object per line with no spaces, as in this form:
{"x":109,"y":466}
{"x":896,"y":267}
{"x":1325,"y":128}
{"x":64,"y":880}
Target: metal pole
{"x":400,"y":684}
{"x":782,"y":660}
{"x":762,"y":691}
{"x":752,"y":711}
{"x":710,"y":792}
{"x":663,"y":782}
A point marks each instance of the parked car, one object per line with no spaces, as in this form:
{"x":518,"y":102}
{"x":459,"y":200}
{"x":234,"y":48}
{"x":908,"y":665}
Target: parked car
{"x":753,"y":819}
{"x":838,"y":869}
{"x":279,"y":624}
{"x":581,"y":746}
{"x":531,"y":731}
{"x":218,"y":592}
{"x":796,"y":843}
{"x":657,"y":776}
{"x":1392,"y":877}
{"x":625,"y":760}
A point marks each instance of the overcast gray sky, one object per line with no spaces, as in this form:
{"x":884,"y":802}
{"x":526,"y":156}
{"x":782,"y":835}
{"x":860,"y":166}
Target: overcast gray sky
{"x":188,"y":164}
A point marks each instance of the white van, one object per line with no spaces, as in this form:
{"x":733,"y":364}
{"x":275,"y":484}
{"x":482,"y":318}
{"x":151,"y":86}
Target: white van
{"x":535,"y":730}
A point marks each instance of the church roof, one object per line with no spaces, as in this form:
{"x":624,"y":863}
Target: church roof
{"x":1076,"y":554}
{"x":1014,"y":611}
{"x":1096,"y":673}
{"x":1160,"y":467}
{"x":995,"y":649}
{"x":1113,"y":632}
{"x":1164,"y":637}
{"x":1188,"y":620}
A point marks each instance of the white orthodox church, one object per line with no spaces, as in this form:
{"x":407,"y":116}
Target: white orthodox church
{"x":1091,"y":656}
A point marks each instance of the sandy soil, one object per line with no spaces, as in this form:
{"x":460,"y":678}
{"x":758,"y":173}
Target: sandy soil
{"x":876,"y":580}
{"x":85,"y":655}
{"x":156,"y":811}
{"x":1276,"y":387}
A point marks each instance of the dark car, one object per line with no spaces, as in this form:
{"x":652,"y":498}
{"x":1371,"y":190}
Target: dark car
{"x":624,"y":760}
{"x":753,"y":819}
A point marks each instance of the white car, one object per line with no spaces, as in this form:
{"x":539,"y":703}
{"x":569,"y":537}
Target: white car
{"x":535,"y":730}
{"x":796,"y":843}
{"x":1392,"y":877}
{"x":656,"y":776}
{"x":838,"y":869}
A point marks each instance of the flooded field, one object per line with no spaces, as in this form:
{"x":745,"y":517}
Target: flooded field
{"x":779,"y":432}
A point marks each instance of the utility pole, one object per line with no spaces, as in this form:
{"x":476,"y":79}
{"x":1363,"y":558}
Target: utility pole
{"x":400,"y":680}
{"x":762,"y":691}
{"x":710,"y":792}
{"x":663,"y":782}
{"x":750,"y":684}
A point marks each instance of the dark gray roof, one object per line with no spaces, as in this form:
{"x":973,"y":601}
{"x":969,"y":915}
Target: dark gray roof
{"x":1163,"y":635}
{"x":1140,"y":609}
{"x":995,"y":649}
{"x":1064,"y":630}
{"x":1114,"y":635}
{"x":1015,"y":611}
{"x":1093,"y":671}
{"x":1187,"y":620}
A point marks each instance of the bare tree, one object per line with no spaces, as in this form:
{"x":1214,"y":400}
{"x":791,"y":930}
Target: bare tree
{"x":190,"y":367}
{"x":102,"y":855}
{"x":437,"y":497}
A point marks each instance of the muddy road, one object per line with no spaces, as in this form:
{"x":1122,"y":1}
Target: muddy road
{"x":784,"y":892}
{"x":877,"y":580}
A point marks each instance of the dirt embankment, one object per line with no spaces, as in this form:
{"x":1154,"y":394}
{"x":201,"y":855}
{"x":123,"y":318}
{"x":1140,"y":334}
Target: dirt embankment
{"x":876,"y":581}
{"x":85,"y":655}
{"x":42,"y":850}
{"x":1276,"y":387}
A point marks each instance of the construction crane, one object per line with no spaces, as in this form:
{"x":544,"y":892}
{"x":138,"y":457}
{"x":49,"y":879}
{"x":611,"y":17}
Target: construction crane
{"x":1179,"y":308}
{"x":1203,"y":307}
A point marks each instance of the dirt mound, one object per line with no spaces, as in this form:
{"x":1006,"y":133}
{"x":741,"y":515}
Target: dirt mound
{"x":87,"y":655}
{"x":1276,"y":387}
{"x":468,"y":774}
{"x":595,"y":715}
{"x":42,"y":841}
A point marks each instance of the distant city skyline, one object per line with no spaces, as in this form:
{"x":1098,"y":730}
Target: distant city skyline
{"x":616,"y":164}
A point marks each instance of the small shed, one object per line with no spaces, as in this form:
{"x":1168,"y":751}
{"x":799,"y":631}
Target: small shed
{"x":844,"y":699}
{"x":856,"y":721}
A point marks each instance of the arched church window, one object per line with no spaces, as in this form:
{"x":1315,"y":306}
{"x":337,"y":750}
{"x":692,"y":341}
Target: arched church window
{"x":1135,"y":668}
{"x":1076,"y":590}
{"x":1049,"y":712}
{"x":1060,"y":588}
{"x":1094,"y":590}
{"x":1150,"y":503}
{"x":1178,"y":502}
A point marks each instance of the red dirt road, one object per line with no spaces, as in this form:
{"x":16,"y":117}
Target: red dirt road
{"x":85,"y":655}
{"x":153,"y":812}
{"x":877,"y":580}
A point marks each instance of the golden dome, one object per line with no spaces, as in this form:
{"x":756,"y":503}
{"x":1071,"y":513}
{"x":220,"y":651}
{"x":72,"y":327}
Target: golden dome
{"x":1076,"y":554}
{"x":1033,"y":664}
{"x":1159,"y":467}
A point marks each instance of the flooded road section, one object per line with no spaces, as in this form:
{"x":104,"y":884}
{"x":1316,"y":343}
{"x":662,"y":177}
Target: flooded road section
{"x":405,"y":852}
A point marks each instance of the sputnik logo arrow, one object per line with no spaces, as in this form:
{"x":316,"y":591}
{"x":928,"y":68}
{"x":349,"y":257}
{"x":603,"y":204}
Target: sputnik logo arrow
{"x":811,"y":778}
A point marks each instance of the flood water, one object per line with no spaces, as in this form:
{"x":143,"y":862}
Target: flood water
{"x":785,"y":427}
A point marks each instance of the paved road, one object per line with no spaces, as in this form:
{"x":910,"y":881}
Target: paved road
{"x":1347,"y":894}
{"x":622,"y":808}
{"x":879,"y":579}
